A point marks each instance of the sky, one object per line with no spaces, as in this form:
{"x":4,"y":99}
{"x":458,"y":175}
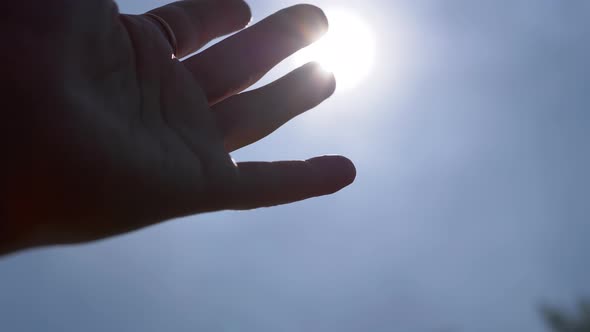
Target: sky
{"x":470,"y":209}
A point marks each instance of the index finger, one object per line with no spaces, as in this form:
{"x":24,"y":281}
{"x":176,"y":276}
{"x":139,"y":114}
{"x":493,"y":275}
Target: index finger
{"x":266,"y":184}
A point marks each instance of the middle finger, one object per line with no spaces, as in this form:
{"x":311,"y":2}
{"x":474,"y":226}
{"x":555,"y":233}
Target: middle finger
{"x":236,"y":63}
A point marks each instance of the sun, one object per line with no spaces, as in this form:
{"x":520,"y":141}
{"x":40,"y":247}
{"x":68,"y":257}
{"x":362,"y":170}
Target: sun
{"x":347,"y":49}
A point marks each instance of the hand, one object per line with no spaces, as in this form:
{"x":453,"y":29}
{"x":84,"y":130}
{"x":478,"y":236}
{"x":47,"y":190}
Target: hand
{"x":107,"y":132}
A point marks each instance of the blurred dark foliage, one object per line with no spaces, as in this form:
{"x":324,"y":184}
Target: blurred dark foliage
{"x":560,"y":321}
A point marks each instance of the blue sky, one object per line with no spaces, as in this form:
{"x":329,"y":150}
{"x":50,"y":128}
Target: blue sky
{"x":470,"y":208}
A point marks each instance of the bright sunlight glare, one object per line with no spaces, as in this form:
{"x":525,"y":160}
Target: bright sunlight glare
{"x":347,"y":50}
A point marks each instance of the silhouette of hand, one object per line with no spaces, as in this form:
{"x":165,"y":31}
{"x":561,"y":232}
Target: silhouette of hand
{"x":111,"y":133}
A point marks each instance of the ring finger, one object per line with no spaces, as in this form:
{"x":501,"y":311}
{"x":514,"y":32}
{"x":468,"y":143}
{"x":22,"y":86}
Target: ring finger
{"x":250,"y":116}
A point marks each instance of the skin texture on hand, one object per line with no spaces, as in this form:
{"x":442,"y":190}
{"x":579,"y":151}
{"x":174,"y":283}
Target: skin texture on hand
{"x":105,"y":132}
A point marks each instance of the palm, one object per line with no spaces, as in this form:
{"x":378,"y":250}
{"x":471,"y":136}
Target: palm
{"x":145,"y":137}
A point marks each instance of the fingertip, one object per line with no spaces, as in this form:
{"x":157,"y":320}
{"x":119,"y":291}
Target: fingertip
{"x":330,"y":80}
{"x":243,"y":12}
{"x":351,"y":169}
{"x":313,"y":20}
{"x":332,"y":84}
{"x":320,"y":17}
{"x":339,"y":171}
{"x":325,"y":78}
